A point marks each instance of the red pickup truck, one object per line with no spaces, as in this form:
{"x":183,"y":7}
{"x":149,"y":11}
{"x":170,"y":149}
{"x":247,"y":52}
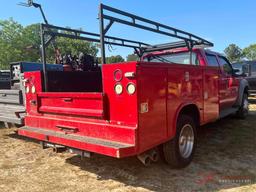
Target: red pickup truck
{"x":135,"y":108}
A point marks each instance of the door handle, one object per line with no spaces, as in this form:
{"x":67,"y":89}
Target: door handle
{"x":67,"y":99}
{"x":67,"y":129}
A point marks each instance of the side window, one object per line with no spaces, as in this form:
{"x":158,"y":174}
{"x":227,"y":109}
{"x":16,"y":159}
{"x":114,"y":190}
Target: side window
{"x":177,"y":58}
{"x":212,"y":60}
{"x":253,"y":69}
{"x":225,"y":65}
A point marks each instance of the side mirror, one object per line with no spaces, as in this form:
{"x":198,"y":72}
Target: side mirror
{"x":246,"y":74}
{"x":238,"y":73}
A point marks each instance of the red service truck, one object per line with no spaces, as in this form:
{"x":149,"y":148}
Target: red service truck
{"x":138,"y":108}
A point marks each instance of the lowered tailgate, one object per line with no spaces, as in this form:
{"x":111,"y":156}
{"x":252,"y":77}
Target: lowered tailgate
{"x":11,"y":97}
{"x":76,"y":104}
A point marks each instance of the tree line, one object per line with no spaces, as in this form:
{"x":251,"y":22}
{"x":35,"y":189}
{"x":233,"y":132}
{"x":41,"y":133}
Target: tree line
{"x":235,"y":54}
{"x":19,"y":43}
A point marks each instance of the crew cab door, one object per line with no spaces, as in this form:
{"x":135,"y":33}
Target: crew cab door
{"x":228,"y":84}
{"x":211,"y":88}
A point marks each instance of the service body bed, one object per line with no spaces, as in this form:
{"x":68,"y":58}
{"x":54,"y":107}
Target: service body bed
{"x":111,"y":124}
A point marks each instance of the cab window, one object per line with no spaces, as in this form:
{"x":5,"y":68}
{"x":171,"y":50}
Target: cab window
{"x":177,"y":58}
{"x":225,"y":65}
{"x":212,"y":60}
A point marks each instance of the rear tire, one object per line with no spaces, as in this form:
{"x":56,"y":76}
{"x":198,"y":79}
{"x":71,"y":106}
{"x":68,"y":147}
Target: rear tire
{"x":179,"y":152}
{"x":244,"y":108}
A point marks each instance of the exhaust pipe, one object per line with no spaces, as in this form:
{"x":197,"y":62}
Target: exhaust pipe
{"x":145,"y":159}
{"x":59,"y":149}
{"x":80,"y":153}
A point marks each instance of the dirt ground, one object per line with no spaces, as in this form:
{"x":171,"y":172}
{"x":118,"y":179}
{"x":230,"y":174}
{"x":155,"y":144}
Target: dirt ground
{"x":225,"y":161}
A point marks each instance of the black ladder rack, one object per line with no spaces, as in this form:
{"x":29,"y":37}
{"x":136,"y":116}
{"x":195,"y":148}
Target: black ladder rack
{"x":50,"y":32}
{"x":189,"y":40}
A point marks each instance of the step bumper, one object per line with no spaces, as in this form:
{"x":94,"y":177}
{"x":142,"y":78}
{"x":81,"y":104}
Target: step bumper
{"x":90,"y":144}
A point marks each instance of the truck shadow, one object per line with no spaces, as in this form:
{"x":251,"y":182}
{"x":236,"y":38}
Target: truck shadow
{"x":225,"y":158}
{"x":15,"y":135}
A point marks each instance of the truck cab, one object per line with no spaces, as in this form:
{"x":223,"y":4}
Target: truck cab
{"x":221,"y":83}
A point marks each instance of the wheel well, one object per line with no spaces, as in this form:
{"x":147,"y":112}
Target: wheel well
{"x":192,"y":111}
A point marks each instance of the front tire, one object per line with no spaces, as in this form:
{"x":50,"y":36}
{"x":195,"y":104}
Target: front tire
{"x":244,"y":108}
{"x":179,"y":152}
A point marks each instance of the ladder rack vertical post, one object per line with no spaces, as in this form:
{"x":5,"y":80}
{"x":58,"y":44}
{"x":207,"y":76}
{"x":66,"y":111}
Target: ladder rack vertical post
{"x":43,"y":56}
{"x":102,"y":35}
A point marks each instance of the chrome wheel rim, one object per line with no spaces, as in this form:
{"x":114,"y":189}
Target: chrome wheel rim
{"x":186,"y":141}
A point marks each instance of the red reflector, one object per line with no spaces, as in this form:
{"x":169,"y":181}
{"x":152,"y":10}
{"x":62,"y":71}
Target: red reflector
{"x":118,"y":75}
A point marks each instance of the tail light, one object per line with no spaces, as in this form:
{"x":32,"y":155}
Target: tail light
{"x":118,"y":89}
{"x":118,"y":75}
{"x":27,"y":86}
{"x":33,"y":89}
{"x":131,"y":88}
{"x":27,"y":89}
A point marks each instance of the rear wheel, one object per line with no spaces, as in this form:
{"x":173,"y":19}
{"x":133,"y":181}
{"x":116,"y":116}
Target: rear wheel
{"x":179,"y":152}
{"x":244,"y":108}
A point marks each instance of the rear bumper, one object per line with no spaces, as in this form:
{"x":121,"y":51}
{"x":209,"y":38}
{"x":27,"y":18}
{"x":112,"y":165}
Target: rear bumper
{"x":12,"y":113}
{"x":90,"y":144}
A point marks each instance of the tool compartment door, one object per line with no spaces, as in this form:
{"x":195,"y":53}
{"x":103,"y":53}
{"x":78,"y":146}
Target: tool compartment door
{"x":74,"y":104}
{"x":152,"y":105}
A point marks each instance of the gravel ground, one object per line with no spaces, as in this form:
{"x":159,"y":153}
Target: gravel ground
{"x":225,"y":161}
